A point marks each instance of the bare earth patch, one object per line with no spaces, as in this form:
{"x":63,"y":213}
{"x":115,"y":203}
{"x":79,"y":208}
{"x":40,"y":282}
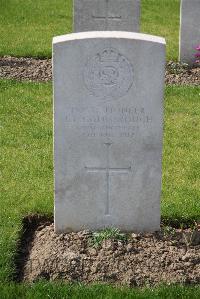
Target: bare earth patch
{"x":28,"y":69}
{"x":40,"y":70}
{"x":171,"y":256}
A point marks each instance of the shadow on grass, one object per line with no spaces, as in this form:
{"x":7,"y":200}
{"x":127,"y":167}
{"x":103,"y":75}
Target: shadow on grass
{"x":30,"y":224}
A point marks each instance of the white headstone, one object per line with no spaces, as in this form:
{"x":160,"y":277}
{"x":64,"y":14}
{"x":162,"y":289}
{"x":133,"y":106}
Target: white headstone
{"x":189,"y":30}
{"x":100,"y":15}
{"x":108,"y":116}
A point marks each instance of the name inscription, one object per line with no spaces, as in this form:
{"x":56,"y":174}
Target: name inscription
{"x":107,"y":121}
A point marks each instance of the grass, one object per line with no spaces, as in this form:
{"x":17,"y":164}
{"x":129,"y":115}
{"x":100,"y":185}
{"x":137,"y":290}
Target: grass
{"x":27,"y":26}
{"x":48,"y":290}
{"x":162,"y":18}
{"x":181,"y":158}
{"x":27,"y":167}
{"x":26,"y":158}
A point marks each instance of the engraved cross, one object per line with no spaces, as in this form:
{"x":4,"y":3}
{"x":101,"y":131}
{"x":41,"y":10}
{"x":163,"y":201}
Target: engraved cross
{"x":108,"y":171}
{"x":107,"y":17}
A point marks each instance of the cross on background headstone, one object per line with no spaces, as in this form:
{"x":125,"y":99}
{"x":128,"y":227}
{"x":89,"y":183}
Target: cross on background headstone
{"x":111,"y":15}
{"x":108,"y":170}
{"x":107,"y":17}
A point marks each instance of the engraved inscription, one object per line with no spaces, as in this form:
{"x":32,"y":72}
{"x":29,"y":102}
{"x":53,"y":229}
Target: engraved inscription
{"x":108,"y":74}
{"x":106,"y":18}
{"x":108,"y":121}
{"x":108,"y":171}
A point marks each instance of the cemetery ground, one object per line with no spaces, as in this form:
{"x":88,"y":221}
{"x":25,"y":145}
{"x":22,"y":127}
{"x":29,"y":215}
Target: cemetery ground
{"x":27,"y":28}
{"x":27,"y":159}
{"x":27,"y":181}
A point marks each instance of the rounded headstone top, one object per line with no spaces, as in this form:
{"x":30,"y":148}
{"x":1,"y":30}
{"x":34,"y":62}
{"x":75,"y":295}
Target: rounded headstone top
{"x":109,"y":34}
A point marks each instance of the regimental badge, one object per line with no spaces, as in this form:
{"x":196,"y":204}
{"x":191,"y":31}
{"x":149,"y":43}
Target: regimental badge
{"x":108,"y":74}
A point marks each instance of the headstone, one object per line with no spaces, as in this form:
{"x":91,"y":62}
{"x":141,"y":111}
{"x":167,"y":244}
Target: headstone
{"x":189,"y":30}
{"x":108,"y":115}
{"x":102,"y":15}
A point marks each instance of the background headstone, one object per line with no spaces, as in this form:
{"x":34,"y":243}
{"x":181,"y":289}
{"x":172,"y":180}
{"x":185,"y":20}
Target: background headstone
{"x":189,"y":30}
{"x":101,"y":15}
{"x":108,"y":115}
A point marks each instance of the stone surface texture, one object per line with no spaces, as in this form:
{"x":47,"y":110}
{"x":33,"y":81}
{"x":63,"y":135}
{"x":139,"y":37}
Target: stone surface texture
{"x":189,"y":30}
{"x":100,"y":15}
{"x":108,"y":116}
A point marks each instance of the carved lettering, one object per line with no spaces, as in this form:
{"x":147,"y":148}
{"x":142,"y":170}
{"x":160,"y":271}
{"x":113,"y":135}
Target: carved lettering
{"x":109,"y":121}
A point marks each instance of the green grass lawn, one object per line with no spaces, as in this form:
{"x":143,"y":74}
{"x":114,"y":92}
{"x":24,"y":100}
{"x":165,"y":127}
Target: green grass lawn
{"x":181,"y":157}
{"x":46,"y":290}
{"x":27,"y":170}
{"x":162,"y":18}
{"x":27,"y":26}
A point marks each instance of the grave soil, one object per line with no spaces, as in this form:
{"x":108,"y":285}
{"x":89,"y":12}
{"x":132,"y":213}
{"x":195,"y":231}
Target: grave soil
{"x":170,"y":256}
{"x":40,"y":70}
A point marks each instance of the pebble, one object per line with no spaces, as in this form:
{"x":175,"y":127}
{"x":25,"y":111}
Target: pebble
{"x":185,"y":258}
{"x":129,"y":247}
{"x":31,"y":69}
{"x":92,"y":251}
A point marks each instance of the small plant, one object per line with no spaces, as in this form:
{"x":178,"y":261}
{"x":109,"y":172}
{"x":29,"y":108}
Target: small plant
{"x":190,"y":237}
{"x":110,"y":233}
{"x":177,"y":68}
{"x":197,"y":55}
{"x":169,"y":231}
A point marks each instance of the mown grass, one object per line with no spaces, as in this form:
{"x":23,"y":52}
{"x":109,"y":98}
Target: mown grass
{"x":26,"y":156}
{"x":27,"y":26}
{"x":27,"y":169}
{"x":162,"y":18}
{"x":46,"y":290}
{"x":181,"y":157}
